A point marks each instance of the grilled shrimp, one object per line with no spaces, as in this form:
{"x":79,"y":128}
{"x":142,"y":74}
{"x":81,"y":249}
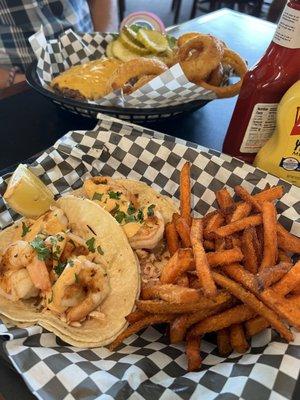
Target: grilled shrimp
{"x":80,"y":289}
{"x":17,"y":285}
{"x":39,"y":274}
{"x":17,"y":255}
{"x":150,"y":233}
{"x":51,"y":223}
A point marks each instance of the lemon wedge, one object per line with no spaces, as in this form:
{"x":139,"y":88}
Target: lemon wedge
{"x":26,"y":193}
{"x":153,"y":40}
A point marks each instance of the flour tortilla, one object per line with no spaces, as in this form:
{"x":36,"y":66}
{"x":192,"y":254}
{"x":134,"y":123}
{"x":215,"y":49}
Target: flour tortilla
{"x":122,"y":270}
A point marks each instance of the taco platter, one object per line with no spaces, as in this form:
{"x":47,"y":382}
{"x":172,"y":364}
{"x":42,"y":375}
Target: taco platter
{"x":116,"y":252}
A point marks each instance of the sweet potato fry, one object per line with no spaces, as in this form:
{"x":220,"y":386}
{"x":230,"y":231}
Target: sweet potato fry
{"x":256,"y":325}
{"x":183,"y":231}
{"x":270,"y":194}
{"x":290,"y":281}
{"x":214,"y":223}
{"x":268,"y":276}
{"x":248,"y":298}
{"x":223,"y":342}
{"x":172,"y":238}
{"x":185,"y":193}
{"x":250,"y":249}
{"x":244,"y":195}
{"x":224,"y":199}
{"x":239,"y":225}
{"x":226,"y":203}
{"x":242,"y":211}
{"x":270,"y":235}
{"x":135,"y":316}
{"x":226,"y":318}
{"x":141,"y":324}
{"x":238,"y":339}
{"x":193,"y":353}
{"x":224,"y":257}
{"x":163,"y":307}
{"x":232,"y":241}
{"x":196,"y":233}
{"x":171,"y":293}
{"x":286,"y":309}
{"x":182,"y":323}
{"x":241,"y":275}
{"x":179,"y":263}
{"x":203,"y":270}
{"x":201,"y":263}
{"x":287,"y":241}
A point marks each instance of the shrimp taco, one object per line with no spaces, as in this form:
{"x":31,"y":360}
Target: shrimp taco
{"x":71,"y":271}
{"x":141,"y":212}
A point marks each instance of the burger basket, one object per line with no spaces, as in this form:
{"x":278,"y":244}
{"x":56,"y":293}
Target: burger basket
{"x":166,"y":96}
{"x":91,"y":110}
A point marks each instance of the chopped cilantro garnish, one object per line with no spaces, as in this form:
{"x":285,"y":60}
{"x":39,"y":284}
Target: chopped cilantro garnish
{"x":56,"y":253}
{"x":130,"y":218}
{"x":140,"y":216}
{"x":114,"y":195}
{"x":131,"y":209}
{"x":25,"y":229}
{"x":42,"y":251}
{"x":60,"y":268}
{"x":71,"y":263}
{"x":91,"y":244}
{"x":60,"y":238}
{"x":100,"y":251}
{"x":150,"y":211}
{"x":53,"y":240}
{"x":76,"y":278}
{"x":119,"y":216}
{"x":97,"y":196}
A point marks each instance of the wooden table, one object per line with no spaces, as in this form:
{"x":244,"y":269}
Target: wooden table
{"x":30,"y":123}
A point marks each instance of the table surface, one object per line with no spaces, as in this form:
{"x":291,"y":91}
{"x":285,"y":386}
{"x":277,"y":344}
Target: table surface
{"x":30,"y":123}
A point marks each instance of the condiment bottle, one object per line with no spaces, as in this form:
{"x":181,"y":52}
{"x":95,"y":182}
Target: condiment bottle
{"x":281,"y":154}
{"x":254,"y":117}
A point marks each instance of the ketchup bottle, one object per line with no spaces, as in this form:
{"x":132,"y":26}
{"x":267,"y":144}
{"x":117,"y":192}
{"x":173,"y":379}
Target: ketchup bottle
{"x":254,"y":118}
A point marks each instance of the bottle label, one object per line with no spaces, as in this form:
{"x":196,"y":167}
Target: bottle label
{"x":288,"y":30}
{"x":261,"y":127}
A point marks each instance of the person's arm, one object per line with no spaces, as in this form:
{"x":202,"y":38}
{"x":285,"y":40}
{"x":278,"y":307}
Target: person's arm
{"x":104,"y":15}
{"x":4,"y":77}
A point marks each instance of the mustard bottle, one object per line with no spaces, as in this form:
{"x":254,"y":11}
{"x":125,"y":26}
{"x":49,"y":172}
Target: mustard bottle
{"x":281,"y":154}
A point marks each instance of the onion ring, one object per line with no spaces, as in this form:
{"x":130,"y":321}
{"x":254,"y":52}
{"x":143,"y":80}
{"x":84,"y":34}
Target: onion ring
{"x":239,"y":66}
{"x":186,"y":37}
{"x":207,"y":55}
{"x":217,"y":75}
{"x":138,"y":84}
{"x":136,"y":68}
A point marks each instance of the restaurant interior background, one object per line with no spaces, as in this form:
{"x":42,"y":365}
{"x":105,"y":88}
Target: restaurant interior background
{"x":166,"y":10}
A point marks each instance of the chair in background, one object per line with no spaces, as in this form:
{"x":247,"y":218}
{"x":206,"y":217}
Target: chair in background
{"x":121,"y":8}
{"x":252,"y":7}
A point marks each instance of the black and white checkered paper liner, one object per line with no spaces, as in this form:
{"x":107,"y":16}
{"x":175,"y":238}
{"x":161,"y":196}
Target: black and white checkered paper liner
{"x":146,"y":366}
{"x":55,"y":56}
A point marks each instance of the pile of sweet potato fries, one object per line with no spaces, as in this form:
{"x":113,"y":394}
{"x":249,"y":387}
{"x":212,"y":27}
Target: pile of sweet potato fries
{"x":229,"y":272}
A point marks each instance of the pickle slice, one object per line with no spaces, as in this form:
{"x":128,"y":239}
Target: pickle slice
{"x":109,"y":53}
{"x":153,"y":40}
{"x":26,"y":193}
{"x":130,"y":33}
{"x":139,"y":49}
{"x":121,"y":52}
